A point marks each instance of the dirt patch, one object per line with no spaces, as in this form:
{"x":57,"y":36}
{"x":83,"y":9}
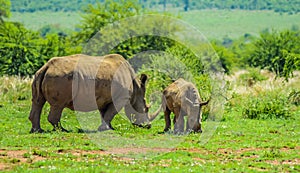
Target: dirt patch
{"x":138,"y":150}
{"x":284,"y":162}
{"x":243,"y":150}
{"x":11,"y":158}
{"x":115,"y":151}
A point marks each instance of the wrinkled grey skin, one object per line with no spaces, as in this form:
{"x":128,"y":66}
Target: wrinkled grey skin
{"x":183,"y":99}
{"x":86,"y":83}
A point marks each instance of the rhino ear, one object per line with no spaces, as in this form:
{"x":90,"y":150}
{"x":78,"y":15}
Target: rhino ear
{"x":143,"y":78}
{"x":204,"y":103}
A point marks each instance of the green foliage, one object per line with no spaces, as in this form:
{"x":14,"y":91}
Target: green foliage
{"x":53,"y":5}
{"x":52,"y":29}
{"x":251,"y":77}
{"x":292,"y":62}
{"x":241,"y":48}
{"x":267,"y":105}
{"x":4,"y":9}
{"x":101,"y":33}
{"x":98,"y":15}
{"x":227,"y":57}
{"x":23,"y":51}
{"x":280,"y":6}
{"x":277,"y":52}
{"x":176,"y":62}
{"x":19,"y":53}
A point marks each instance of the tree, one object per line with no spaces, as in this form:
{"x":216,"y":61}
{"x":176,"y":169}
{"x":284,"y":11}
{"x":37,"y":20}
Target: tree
{"x":278,"y":52}
{"x":227,"y":58}
{"x":186,"y":5}
{"x":18,"y":50}
{"x":103,"y":25}
{"x":23,"y":52}
{"x":4,"y":9}
{"x":101,"y":14}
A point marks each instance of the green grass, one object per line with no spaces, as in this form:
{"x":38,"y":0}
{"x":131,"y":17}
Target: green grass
{"x":218,"y":24}
{"x":238,"y":144}
{"x":214,"y":24}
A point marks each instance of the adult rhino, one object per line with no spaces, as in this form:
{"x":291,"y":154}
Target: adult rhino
{"x":182,"y":98}
{"x":86,"y":83}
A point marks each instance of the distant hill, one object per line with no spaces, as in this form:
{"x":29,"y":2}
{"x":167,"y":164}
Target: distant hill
{"x":282,"y":6}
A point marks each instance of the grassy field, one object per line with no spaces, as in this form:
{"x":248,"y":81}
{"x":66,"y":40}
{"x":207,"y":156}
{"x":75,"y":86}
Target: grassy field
{"x":35,"y":21}
{"x":214,"y":24}
{"x":224,"y":23}
{"x":237,"y":145}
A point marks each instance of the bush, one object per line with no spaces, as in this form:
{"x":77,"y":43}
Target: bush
{"x":267,"y":105}
{"x":251,"y":77}
{"x":277,"y":52}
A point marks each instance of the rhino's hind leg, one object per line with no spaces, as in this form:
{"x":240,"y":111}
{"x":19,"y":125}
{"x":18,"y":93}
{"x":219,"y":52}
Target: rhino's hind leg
{"x":54,"y":118}
{"x":34,"y":117}
{"x":107,"y":114}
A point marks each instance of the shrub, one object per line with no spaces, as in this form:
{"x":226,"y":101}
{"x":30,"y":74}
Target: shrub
{"x":252,"y":77}
{"x":277,"y":52}
{"x":267,"y":105}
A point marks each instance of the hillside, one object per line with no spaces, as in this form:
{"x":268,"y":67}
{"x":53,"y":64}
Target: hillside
{"x":281,"y":6}
{"x":214,"y":24}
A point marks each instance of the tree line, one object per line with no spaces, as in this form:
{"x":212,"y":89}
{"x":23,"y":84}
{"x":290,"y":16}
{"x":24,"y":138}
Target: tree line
{"x":281,"y":6}
{"x":23,"y":51}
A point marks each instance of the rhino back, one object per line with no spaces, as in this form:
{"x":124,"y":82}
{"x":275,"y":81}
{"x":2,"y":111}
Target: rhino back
{"x":84,"y":79}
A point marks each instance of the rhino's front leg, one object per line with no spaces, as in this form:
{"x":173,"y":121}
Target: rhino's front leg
{"x":192,"y":124}
{"x":107,"y":114}
{"x":167,"y":113}
{"x":179,"y":124}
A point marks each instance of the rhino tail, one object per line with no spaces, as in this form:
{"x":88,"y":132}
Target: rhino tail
{"x":37,"y":94}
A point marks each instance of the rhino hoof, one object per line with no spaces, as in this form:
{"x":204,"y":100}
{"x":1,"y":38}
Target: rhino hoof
{"x":178,"y":132}
{"x":34,"y":130}
{"x":104,"y":128}
{"x":167,"y":129}
{"x":60,"y":129}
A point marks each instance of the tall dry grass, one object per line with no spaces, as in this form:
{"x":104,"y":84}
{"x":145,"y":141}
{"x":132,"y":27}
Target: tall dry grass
{"x":260,"y":95}
{"x":14,"y":88}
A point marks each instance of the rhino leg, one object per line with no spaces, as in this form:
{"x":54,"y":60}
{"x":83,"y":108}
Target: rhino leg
{"x":35,"y":116}
{"x":107,"y":115}
{"x":197,"y":126}
{"x":54,"y":118}
{"x":179,"y":121}
{"x":190,"y":123}
{"x":167,"y":113}
{"x":193,"y":125}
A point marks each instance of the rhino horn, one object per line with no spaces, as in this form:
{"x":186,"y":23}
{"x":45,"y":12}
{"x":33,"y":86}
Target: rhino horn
{"x":155,"y":114}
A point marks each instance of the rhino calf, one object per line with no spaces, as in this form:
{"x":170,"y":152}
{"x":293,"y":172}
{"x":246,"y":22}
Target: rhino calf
{"x":182,"y":98}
